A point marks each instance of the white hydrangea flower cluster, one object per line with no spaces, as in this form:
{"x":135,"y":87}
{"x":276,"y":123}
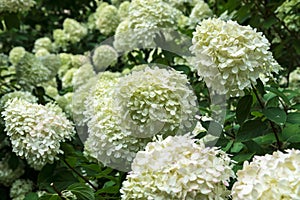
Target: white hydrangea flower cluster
{"x":230,"y":57}
{"x":72,"y":32}
{"x":31,"y":71}
{"x":16,"y":54}
{"x":43,"y":43}
{"x":20,"y":188}
{"x":106,"y":18}
{"x":7,"y":174}
{"x":123,"y":10}
{"x":144,"y":21}
{"x":106,"y":142}
{"x":155,"y":101}
{"x":104,"y":56}
{"x":199,"y":12}
{"x":35,"y":131}
{"x":178,"y":167}
{"x":83,"y":75}
{"x":275,"y":176}
{"x":17,"y":94}
{"x":288,"y":12}
{"x":13,"y":6}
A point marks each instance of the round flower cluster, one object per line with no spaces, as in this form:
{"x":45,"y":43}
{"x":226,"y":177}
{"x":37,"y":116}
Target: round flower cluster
{"x":106,"y":142}
{"x":35,"y":131}
{"x":7,"y":174}
{"x":31,"y":70}
{"x":17,"y":94}
{"x":178,"y":167}
{"x":43,"y":43}
{"x":72,"y":32}
{"x":288,"y":12}
{"x":83,"y":75}
{"x":16,"y":5}
{"x":123,"y":10}
{"x":230,"y":57}
{"x":107,"y":19}
{"x":104,"y":56}
{"x":145,"y":20}
{"x":16,"y":54}
{"x":155,"y":101}
{"x":20,"y":188}
{"x":275,"y":176}
{"x":200,"y":11}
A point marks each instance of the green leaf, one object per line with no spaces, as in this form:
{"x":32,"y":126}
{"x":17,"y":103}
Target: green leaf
{"x":31,"y":196}
{"x":280,"y":94}
{"x":293,"y":118}
{"x":240,"y":158}
{"x":276,"y":115}
{"x":243,"y":108}
{"x":291,"y":133}
{"x":252,"y":146}
{"x":212,"y":127}
{"x":237,"y":147}
{"x":50,"y":197}
{"x":251,"y":129}
{"x":82,"y":191}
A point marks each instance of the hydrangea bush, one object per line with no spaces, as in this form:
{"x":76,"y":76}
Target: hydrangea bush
{"x":160,"y":99}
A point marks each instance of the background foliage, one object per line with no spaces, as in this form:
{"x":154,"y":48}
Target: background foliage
{"x":267,"y":118}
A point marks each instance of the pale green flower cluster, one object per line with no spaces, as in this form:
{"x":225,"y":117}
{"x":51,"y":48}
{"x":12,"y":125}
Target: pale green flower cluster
{"x":106,"y":19}
{"x":179,"y":167}
{"x":199,"y":12}
{"x":31,"y":71}
{"x":231,"y":57}
{"x":275,"y":176}
{"x":123,"y":113}
{"x":43,"y":43}
{"x":16,"y":54}
{"x":17,"y":94}
{"x":35,"y":131}
{"x":72,"y":32}
{"x":7,"y":174}
{"x":16,"y":6}
{"x":155,"y":101}
{"x":288,"y":12}
{"x":144,"y":21}
{"x":123,"y":10}
{"x":83,"y":75}
{"x":20,"y":188}
{"x":104,"y":56}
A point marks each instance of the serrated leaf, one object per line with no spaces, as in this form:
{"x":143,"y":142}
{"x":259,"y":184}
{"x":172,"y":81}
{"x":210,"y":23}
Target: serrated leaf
{"x":82,"y":191}
{"x":250,"y":130}
{"x":276,"y":115}
{"x":243,"y":108}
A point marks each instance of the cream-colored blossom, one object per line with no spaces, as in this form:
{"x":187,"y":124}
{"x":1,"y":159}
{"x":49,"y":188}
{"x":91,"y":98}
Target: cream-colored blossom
{"x":104,"y":56}
{"x":16,"y":6}
{"x":178,"y":167}
{"x":272,"y":176}
{"x":17,"y":94}
{"x":123,"y":10}
{"x":83,"y":75}
{"x":107,"y":19}
{"x":16,"y":54}
{"x":155,"y":101}
{"x":144,"y":22}
{"x":199,"y":12}
{"x":35,"y":131}
{"x":20,"y":188}
{"x":43,"y":43}
{"x":230,"y":57}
